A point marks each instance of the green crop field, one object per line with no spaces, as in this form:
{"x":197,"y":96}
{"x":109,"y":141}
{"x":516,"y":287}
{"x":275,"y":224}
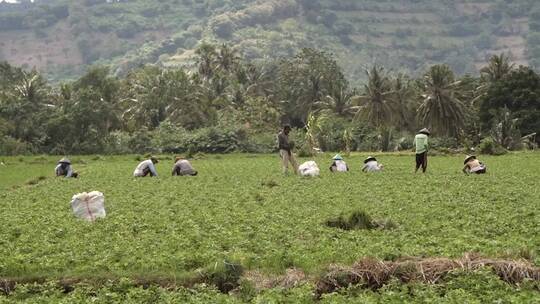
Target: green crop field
{"x":242,"y":211}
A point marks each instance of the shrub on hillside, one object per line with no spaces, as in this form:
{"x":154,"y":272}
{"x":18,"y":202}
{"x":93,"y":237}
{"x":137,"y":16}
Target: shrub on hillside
{"x":223,"y":27}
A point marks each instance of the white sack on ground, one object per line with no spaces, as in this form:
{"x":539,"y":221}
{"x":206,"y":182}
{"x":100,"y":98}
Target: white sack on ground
{"x":309,"y":168}
{"x":88,"y":206}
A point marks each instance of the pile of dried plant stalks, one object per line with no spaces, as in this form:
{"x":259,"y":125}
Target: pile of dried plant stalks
{"x":367,"y":273}
{"x":292,"y":278}
{"x":372,"y":273}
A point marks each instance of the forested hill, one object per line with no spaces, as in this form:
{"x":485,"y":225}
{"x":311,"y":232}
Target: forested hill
{"x":61,"y":38}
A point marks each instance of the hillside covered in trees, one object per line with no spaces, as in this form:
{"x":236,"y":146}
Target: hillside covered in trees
{"x":62,"y":38}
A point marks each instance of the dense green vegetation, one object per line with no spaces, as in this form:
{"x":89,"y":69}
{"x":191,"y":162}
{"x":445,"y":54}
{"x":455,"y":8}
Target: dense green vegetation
{"x":241,"y":209}
{"x":407,"y":36}
{"x":228,"y":103}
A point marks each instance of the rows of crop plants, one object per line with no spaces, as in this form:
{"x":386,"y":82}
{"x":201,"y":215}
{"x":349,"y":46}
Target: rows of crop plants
{"x":242,"y":209}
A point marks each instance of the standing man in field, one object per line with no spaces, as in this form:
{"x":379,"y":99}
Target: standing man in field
{"x":146,"y":167}
{"x":285,"y":150}
{"x":421,"y":146}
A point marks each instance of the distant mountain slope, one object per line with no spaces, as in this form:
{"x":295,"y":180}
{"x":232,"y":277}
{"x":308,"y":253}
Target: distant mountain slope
{"x":61,"y":38}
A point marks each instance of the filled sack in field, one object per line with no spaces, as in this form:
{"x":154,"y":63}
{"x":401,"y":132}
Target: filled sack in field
{"x":309,"y":168}
{"x":88,"y":206}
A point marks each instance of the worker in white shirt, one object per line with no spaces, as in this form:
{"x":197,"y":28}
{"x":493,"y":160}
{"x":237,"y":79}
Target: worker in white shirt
{"x":371,"y":165}
{"x":339,"y":165}
{"x":146,"y":167}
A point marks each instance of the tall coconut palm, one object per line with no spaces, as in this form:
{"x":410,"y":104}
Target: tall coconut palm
{"x":498,"y":67}
{"x":441,"y":109}
{"x":403,"y":97}
{"x":375,"y":106}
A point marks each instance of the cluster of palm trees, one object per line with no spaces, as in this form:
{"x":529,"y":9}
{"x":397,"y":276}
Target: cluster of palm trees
{"x":221,"y":87}
{"x":438,"y":100}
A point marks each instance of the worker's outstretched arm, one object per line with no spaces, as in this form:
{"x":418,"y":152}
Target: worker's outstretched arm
{"x":152,"y":169}
{"x":70,"y":171}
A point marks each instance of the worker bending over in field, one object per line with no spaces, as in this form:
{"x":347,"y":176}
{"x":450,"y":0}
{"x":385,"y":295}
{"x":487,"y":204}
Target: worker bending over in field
{"x":146,"y":167}
{"x":64,"y":169}
{"x":371,"y":165}
{"x":421,"y":145}
{"x":183,"y":167}
{"x":285,"y":150}
{"x":473,"y":165}
{"x":339,"y":165}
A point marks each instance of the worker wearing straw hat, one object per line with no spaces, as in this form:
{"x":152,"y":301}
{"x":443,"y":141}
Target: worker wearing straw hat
{"x":421,"y":146}
{"x":338,"y":164}
{"x":63,"y":168}
{"x":371,"y":165}
{"x":473,"y":165}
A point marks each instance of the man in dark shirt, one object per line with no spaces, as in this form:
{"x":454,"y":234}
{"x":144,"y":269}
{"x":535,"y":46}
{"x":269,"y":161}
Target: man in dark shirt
{"x":285,"y":150}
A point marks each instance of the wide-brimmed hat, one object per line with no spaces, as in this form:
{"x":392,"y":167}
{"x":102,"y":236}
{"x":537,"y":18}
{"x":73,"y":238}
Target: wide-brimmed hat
{"x":468,"y":158}
{"x":424,"y":131}
{"x":369,"y":158}
{"x":64,"y":160}
{"x":154,"y":159}
{"x":337,"y":157}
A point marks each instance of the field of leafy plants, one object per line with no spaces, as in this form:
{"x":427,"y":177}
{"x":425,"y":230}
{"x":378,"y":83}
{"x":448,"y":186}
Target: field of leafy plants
{"x":243,"y":232}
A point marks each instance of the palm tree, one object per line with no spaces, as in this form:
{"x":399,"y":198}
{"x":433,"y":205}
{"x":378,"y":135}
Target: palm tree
{"x":258,"y":79}
{"x":28,"y":103}
{"x":375,"y":106}
{"x":498,"y":67}
{"x":441,"y":110}
{"x":340,"y":103}
{"x":206,"y":59}
{"x":146,"y":101}
{"x":226,"y":58}
{"x":404,"y":94}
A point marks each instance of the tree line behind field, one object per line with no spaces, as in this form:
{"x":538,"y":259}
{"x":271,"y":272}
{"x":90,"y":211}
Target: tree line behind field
{"x":227,"y":103}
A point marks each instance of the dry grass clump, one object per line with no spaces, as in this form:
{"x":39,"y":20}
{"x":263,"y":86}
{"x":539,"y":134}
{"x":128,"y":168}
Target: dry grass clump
{"x":292,"y":278}
{"x":373,"y":274}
